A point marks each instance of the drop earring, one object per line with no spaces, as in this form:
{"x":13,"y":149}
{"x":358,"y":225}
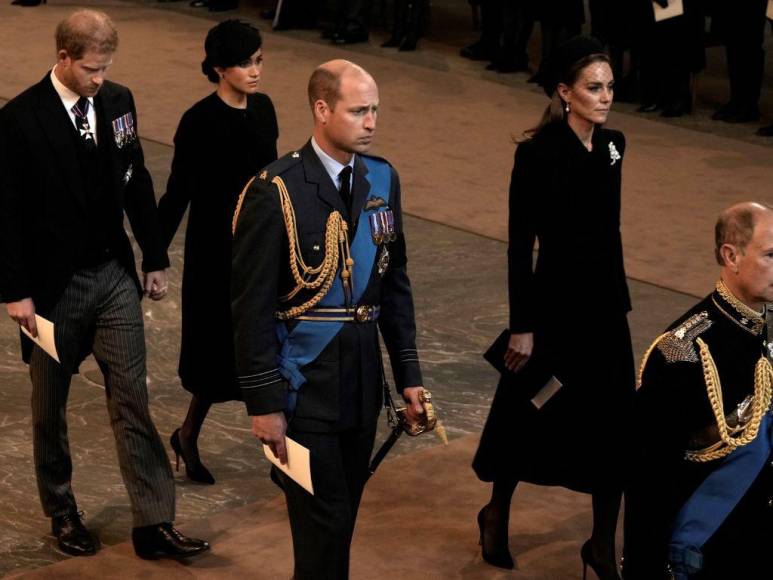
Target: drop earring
{"x":567,"y":108}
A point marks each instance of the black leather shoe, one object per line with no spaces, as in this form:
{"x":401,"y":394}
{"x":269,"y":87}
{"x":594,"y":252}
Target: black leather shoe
{"x":476,"y":51}
{"x":350,"y":37}
{"x":648,"y":108}
{"x":765,"y":131}
{"x":164,"y":541}
{"x":677,"y":109}
{"x":72,"y":536}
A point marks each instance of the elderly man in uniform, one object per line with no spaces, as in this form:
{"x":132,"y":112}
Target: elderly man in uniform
{"x":71,"y":164}
{"x":319,"y":266}
{"x":699,"y":503}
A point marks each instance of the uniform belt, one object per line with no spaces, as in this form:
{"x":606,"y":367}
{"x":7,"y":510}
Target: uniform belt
{"x":353,"y":314}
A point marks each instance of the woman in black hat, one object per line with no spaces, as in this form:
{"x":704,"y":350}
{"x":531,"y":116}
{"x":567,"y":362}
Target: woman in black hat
{"x":559,"y":411}
{"x":221,"y":142}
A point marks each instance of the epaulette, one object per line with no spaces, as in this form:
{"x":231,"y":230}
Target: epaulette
{"x":678,"y":345}
{"x":279,"y":166}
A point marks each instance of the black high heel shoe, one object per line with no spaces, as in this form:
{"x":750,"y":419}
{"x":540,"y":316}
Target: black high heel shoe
{"x":601,"y":569}
{"x":500,"y":557}
{"x":194,"y":469}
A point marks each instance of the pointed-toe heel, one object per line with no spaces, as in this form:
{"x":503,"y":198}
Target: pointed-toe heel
{"x":194,"y":469}
{"x":499,"y":557}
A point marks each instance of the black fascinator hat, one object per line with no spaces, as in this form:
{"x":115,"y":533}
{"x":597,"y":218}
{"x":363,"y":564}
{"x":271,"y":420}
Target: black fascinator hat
{"x":565,"y":57}
{"x":227,"y":44}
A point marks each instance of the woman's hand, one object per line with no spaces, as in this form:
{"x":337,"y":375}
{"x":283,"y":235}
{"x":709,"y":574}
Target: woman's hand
{"x":519,"y":350}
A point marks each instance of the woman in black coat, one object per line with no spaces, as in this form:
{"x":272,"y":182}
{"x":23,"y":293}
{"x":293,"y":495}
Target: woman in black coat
{"x":221,"y":142}
{"x":567,"y":314}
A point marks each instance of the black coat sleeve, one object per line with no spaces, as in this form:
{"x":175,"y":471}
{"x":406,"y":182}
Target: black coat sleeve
{"x":14,"y":280}
{"x":140,"y":206}
{"x":397,"y":321}
{"x":522,"y":232}
{"x":660,"y":436}
{"x":182,"y":178}
{"x":258,"y":246}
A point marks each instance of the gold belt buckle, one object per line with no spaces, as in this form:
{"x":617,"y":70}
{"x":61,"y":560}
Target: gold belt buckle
{"x":362,"y":313}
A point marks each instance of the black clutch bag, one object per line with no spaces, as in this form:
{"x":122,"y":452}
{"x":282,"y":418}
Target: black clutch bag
{"x":495,"y":355}
{"x":537,"y":382}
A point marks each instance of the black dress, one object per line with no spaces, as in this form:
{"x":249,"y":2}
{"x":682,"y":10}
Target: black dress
{"x":218,"y":148}
{"x":575,"y":302}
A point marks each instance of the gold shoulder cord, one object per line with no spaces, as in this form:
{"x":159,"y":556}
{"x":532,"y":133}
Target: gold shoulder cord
{"x":646,"y":357}
{"x":321,"y":277}
{"x":742,"y":435}
{"x":239,"y":203}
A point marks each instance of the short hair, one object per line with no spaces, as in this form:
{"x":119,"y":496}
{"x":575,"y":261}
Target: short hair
{"x":325,"y":85}
{"x":735,"y":226}
{"x":86,"y":30}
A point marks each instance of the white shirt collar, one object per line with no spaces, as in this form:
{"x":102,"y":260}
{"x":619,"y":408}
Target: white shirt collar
{"x":332,"y":166}
{"x":69,"y":97}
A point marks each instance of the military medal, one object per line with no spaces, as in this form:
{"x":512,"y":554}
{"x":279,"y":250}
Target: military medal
{"x":382,"y":226}
{"x":383,"y":261}
{"x":123,"y":130}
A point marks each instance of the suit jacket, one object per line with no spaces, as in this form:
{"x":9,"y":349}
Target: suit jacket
{"x":43,"y":203}
{"x":343,"y":387}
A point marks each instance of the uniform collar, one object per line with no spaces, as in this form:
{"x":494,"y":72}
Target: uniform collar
{"x":332,"y":167}
{"x":745,"y":317}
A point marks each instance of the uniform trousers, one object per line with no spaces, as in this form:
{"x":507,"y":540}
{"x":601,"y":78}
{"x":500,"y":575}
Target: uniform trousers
{"x":323,"y":524}
{"x":100,"y":312}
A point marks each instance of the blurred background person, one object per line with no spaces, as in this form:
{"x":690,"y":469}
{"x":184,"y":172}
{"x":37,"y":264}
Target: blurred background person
{"x":221,"y":142}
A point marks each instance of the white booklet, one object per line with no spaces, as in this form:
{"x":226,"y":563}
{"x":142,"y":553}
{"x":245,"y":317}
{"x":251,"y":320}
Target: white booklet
{"x":675,"y":8}
{"x":45,"y":338}
{"x":298,"y":466}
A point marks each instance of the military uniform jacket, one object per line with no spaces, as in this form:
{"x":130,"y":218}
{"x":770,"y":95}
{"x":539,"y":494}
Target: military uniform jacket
{"x":44,"y":208}
{"x":343,"y":387}
{"x":673,"y":415}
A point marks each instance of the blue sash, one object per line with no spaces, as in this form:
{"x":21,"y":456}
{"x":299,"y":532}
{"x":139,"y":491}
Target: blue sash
{"x":308,"y":339}
{"x":710,"y":504}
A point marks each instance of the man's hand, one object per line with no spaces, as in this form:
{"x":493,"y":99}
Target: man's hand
{"x":154,"y":284}
{"x":414,"y":408}
{"x":23,"y":313}
{"x":519,"y":351}
{"x":270,"y":429}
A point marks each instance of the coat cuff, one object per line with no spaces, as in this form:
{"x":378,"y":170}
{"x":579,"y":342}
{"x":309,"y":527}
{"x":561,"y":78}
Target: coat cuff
{"x":263,"y":393}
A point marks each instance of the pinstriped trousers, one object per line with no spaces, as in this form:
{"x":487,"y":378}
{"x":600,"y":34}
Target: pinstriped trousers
{"x":100,"y":312}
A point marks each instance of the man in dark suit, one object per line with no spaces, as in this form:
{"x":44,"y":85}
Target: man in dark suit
{"x":336,"y":213}
{"x":70,"y":165}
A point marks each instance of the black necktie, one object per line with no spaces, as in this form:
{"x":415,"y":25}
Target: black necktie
{"x":81,"y":110}
{"x":346,"y":187}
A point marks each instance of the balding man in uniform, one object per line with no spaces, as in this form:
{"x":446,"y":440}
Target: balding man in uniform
{"x":71,"y":164}
{"x":319,"y":267}
{"x":699,"y":504}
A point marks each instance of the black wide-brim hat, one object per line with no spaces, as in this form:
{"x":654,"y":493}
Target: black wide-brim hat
{"x":565,"y":56}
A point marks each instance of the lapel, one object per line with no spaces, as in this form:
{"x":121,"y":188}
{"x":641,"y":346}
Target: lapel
{"x":59,"y":130}
{"x":360,"y":188}
{"x":316,"y":174}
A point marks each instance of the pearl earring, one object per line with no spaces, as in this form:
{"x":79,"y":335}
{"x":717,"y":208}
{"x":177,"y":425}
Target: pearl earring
{"x":567,"y":108}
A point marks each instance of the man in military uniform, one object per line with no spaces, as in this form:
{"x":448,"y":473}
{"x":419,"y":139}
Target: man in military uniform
{"x":319,"y":266}
{"x":699,"y":502}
